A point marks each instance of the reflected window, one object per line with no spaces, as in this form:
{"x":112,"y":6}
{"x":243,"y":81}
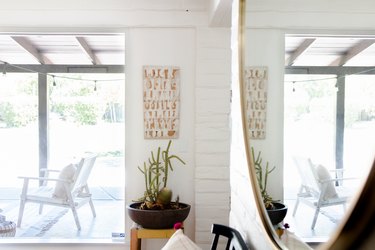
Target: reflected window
{"x":359,"y":124}
{"x":328,"y":123}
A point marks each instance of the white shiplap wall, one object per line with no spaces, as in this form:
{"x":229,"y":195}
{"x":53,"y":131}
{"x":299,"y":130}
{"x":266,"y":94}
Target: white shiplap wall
{"x":212,"y":139}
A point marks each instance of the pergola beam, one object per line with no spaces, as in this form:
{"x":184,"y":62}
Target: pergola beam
{"x":299,"y":51}
{"x":329,"y":70}
{"x":352,"y":52}
{"x":87,"y":50}
{"x":27,"y":68}
{"x":30,"y":48}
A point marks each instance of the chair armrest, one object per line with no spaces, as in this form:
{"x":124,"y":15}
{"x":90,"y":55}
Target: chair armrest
{"x":337,"y":170}
{"x":338,"y":179}
{"x":49,"y":170}
{"x":45,"y":179}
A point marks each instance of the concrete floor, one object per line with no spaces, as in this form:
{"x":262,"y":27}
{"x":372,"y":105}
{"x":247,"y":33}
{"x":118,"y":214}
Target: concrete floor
{"x":300,"y":224}
{"x":58,"y":223}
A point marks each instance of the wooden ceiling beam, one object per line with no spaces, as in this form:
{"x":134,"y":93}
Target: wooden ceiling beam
{"x":352,"y":52}
{"x":87,"y":50}
{"x":31,"y":49}
{"x":299,"y":51}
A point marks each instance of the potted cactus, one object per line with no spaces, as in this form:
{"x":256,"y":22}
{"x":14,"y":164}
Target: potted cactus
{"x":276,"y":210}
{"x":155,"y":209}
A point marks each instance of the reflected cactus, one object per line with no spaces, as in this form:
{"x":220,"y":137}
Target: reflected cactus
{"x":262,"y":178}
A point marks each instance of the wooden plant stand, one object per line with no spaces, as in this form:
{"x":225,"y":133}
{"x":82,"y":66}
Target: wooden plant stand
{"x":138,"y":233}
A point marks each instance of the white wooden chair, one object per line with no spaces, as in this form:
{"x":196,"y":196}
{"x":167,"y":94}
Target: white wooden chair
{"x":71,"y":189}
{"x":318,"y":188}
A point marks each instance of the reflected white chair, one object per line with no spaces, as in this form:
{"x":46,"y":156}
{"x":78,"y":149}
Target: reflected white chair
{"x":318,"y":188}
{"x":71,"y":189}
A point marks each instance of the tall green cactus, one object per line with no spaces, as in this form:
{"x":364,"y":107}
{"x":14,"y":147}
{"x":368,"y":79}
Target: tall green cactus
{"x":156,"y":177}
{"x":262,"y":178}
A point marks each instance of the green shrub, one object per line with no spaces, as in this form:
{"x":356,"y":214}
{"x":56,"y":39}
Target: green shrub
{"x":17,"y":115}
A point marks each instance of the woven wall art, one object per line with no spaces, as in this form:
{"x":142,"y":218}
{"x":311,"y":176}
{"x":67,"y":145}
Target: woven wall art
{"x":256,"y":81}
{"x":161,"y":102}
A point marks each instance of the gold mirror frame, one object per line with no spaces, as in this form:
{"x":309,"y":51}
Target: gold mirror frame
{"x":356,"y":230}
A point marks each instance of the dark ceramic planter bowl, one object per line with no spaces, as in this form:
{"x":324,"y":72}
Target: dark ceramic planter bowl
{"x":157,"y":219}
{"x":277,"y":214}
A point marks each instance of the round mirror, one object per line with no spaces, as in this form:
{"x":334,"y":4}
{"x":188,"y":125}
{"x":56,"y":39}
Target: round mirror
{"x":309,"y":128}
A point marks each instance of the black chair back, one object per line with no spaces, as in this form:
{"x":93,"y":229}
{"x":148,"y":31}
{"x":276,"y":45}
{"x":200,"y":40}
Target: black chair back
{"x":235,"y":240}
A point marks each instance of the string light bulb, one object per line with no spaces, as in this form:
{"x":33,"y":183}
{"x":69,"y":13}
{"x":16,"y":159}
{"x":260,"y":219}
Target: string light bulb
{"x":95,"y":86}
{"x":294,"y":89}
{"x":54,"y":81}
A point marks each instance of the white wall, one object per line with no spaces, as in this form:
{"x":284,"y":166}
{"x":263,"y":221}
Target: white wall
{"x":265,"y":47}
{"x":161,"y":33}
{"x":160,"y":46}
{"x":212,"y":138}
{"x":204,"y":57}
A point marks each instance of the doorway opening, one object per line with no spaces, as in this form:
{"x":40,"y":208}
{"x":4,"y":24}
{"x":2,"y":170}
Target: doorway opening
{"x":328,"y":118}
{"x":57,"y":103}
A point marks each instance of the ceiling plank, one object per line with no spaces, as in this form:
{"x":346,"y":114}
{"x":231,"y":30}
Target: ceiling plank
{"x":299,"y":51}
{"x":88,"y":51}
{"x":31,"y":49}
{"x":352,"y":52}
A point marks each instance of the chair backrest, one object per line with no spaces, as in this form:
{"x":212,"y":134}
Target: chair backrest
{"x":83,"y":171}
{"x":234,"y":238}
{"x":308,"y":174}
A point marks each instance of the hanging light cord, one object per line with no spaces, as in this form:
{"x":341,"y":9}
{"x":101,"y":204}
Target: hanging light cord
{"x":331,"y":78}
{"x":6,"y":64}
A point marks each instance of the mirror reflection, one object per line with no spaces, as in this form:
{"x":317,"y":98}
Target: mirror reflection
{"x":311,"y":115}
{"x":328,"y":134}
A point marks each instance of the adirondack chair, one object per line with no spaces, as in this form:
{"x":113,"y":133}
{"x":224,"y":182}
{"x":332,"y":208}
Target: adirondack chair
{"x":318,"y":188}
{"x":71,"y":189}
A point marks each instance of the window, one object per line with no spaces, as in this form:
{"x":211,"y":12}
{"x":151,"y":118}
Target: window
{"x":359,"y":134}
{"x":61,"y":96}
{"x":86,"y":114}
{"x":332,"y":122}
{"x":18,"y":129}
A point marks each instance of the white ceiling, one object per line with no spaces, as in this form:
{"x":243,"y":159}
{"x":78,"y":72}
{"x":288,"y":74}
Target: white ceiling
{"x":93,"y":49}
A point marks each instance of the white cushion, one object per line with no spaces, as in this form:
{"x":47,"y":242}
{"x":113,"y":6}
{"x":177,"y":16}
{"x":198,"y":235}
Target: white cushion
{"x":66,"y":173}
{"x":323,"y":174}
{"x":179,"y":241}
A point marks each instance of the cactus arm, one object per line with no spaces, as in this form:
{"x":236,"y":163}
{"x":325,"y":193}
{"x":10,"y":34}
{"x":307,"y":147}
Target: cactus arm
{"x":166,"y":166}
{"x":166,"y":163}
{"x":266,"y":175}
{"x":157,"y":167}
